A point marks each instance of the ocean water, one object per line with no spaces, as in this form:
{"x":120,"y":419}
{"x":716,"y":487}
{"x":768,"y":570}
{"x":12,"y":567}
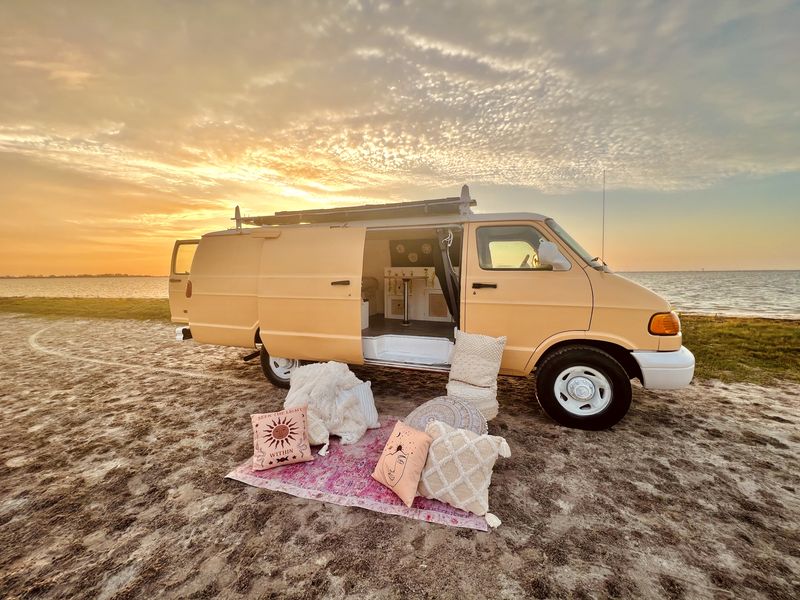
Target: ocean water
{"x":86,"y":287}
{"x":774,"y":294}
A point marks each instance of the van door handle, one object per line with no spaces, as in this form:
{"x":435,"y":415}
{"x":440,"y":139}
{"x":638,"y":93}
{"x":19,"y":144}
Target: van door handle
{"x":477,"y":286}
{"x":341,"y":282}
{"x":174,"y":280}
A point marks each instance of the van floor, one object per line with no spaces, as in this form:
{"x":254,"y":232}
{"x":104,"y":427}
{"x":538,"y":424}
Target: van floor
{"x":380,"y":325}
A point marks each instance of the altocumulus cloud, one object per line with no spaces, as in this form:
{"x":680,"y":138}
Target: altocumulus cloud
{"x":368,"y":99}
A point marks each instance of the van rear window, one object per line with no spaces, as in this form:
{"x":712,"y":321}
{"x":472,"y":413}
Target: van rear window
{"x":183,"y":259}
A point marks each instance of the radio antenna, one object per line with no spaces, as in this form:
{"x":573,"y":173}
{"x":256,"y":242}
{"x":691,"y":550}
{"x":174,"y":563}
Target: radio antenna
{"x":603,"y":228}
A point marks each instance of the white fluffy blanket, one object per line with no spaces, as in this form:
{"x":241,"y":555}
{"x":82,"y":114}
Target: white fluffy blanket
{"x":321,"y":387}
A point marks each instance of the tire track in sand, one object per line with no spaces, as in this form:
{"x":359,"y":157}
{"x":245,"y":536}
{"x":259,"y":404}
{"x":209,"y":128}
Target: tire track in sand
{"x":33,"y":342}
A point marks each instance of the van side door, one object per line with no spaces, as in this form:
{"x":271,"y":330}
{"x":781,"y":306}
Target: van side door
{"x":505,"y":291}
{"x":309,"y":293}
{"x":180,"y":267}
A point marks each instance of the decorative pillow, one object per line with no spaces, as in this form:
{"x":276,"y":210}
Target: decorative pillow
{"x":456,"y":413}
{"x":402,"y":460}
{"x":476,"y":359}
{"x":459,"y":468}
{"x":366,"y":401}
{"x":484,"y":399}
{"x":280,"y":438}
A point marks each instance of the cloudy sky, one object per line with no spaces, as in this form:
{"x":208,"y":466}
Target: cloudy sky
{"x":126,"y":125}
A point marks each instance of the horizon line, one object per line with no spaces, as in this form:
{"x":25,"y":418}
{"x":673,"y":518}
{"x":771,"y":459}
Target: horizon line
{"x":124,"y":275}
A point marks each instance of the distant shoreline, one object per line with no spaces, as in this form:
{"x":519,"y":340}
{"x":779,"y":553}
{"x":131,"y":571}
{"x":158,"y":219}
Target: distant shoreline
{"x":82,"y":275}
{"x":123,"y":275}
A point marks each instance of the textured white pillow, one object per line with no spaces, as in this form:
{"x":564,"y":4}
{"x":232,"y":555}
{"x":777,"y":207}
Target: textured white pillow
{"x":458,"y":470}
{"x":484,"y":399}
{"x":363,"y":392}
{"x":476,"y":359}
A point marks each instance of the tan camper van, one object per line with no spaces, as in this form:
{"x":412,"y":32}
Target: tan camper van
{"x":389,"y":284}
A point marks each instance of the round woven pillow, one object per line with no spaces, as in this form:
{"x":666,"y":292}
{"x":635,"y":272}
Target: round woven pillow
{"x":452,"y":411}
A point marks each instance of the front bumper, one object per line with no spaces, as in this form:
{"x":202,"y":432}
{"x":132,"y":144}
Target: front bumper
{"x":665,"y":370}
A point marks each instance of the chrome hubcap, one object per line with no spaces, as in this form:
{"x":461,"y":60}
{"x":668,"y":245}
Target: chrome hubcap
{"x":580,"y":388}
{"x":582,"y":391}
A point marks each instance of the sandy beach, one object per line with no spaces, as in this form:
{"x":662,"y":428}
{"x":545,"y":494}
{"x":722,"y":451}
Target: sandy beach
{"x":116,"y":440}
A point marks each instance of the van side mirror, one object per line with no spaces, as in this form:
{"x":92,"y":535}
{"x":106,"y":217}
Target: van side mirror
{"x":551,"y":256}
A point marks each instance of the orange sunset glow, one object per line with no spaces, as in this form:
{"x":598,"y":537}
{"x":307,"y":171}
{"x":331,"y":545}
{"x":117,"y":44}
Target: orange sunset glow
{"x":125,"y":127}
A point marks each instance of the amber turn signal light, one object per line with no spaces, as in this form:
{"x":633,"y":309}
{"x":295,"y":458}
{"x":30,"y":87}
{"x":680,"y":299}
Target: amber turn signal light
{"x":188,"y":289}
{"x":665,"y":324}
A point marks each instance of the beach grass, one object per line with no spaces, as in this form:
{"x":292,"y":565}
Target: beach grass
{"x":96,"y":308}
{"x":726,"y":348}
{"x":743,"y":349}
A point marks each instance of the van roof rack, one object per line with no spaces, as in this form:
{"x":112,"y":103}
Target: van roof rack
{"x":458,"y":205}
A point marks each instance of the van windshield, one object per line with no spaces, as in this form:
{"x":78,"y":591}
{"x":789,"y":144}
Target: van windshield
{"x":574,"y":246}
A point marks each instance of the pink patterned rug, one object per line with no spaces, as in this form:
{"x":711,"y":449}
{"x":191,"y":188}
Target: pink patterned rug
{"x":344,"y":477}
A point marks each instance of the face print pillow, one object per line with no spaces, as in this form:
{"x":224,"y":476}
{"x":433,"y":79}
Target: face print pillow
{"x":402,"y":461}
{"x":280,"y":438}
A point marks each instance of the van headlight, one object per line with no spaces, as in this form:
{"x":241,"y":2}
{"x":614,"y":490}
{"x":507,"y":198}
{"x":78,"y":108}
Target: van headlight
{"x":666,"y":323}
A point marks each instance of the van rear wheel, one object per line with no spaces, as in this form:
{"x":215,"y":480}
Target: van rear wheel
{"x":278,"y":370}
{"x":583,"y":387}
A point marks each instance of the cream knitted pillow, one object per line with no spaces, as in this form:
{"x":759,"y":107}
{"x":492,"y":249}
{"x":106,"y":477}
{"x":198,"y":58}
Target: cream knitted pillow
{"x":459,"y":468}
{"x":476,"y":359}
{"x":484,"y":399}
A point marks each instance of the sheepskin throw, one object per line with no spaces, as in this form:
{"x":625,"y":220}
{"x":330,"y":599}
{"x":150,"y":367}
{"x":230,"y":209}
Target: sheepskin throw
{"x":280,"y":438}
{"x":474,"y":367}
{"x":318,"y":434}
{"x":318,"y":386}
{"x":459,"y":468}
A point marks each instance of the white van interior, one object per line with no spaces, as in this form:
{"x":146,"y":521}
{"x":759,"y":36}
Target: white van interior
{"x":410,"y":296}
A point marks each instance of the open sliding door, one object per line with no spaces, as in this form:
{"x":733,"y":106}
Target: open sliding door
{"x":309,"y":293}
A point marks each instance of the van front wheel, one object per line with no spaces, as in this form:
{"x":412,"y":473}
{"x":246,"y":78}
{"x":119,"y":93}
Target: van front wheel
{"x":583,"y":387}
{"x":278,"y":370}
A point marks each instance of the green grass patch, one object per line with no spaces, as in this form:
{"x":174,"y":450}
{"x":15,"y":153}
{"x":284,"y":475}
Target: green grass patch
{"x":742,"y":349}
{"x":730,"y":349}
{"x":96,"y":308}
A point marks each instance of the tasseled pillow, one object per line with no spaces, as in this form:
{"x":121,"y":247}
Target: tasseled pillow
{"x":458,"y":470}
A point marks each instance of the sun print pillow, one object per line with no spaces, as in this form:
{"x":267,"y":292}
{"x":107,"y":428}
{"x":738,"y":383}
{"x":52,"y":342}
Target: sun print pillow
{"x":280,"y":438}
{"x":401,"y":463}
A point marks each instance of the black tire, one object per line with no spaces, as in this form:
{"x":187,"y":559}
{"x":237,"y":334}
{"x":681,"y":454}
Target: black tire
{"x":555,"y":364}
{"x":273,"y":377}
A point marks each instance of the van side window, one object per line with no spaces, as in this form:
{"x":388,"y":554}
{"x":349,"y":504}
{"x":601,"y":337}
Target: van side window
{"x":509,"y":247}
{"x":182,"y":262}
